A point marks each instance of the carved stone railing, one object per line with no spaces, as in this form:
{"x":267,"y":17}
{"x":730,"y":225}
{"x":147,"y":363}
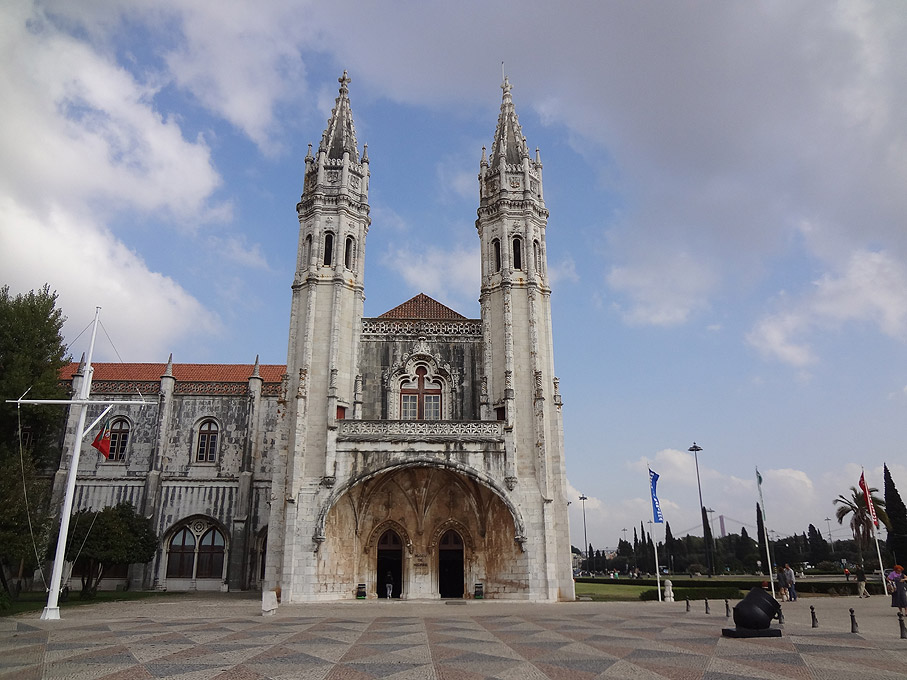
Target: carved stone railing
{"x":487,"y":431}
{"x":415,"y":327}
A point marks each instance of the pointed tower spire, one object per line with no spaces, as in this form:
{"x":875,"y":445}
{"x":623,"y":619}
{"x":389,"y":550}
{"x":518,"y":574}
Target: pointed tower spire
{"x":340,"y":135}
{"x":168,"y":371}
{"x":509,"y":145}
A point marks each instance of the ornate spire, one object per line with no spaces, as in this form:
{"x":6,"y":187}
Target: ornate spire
{"x":509,"y":144}
{"x":340,"y":135}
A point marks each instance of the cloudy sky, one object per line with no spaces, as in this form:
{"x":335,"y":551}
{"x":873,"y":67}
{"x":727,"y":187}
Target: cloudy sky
{"x":727,"y":185}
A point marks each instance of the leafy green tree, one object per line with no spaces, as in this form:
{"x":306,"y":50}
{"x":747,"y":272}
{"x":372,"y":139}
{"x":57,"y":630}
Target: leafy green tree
{"x":31,"y":356}
{"x":860,"y":519}
{"x":116,"y":535}
{"x":897,"y":515}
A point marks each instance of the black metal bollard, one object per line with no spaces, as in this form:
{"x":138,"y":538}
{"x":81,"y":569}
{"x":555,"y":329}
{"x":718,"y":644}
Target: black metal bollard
{"x":727,"y":610}
{"x":901,"y":624}
{"x":854,"y":628}
{"x":707,"y":610}
{"x":688,"y":604}
{"x":812,"y":612}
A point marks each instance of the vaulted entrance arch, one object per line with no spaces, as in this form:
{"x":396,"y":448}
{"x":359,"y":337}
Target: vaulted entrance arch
{"x":427,"y":530}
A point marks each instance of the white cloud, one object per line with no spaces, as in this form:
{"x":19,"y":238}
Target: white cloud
{"x":450,"y":276}
{"x":144,"y":312}
{"x":564,"y":270}
{"x":871,"y":288}
{"x":663,"y":292}
{"x":82,"y":131}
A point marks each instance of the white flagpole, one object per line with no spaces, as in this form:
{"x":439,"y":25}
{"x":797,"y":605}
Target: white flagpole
{"x":768,"y":552}
{"x":657,"y":569}
{"x":52,"y":610}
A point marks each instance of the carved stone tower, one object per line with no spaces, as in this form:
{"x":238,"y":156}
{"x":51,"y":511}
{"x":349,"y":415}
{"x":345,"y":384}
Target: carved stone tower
{"x":522,"y":389}
{"x":325,"y":327}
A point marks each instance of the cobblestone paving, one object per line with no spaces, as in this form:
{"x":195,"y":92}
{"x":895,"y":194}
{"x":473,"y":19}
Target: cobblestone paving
{"x":225,"y":637}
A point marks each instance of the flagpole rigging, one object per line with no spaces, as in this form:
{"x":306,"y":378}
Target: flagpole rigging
{"x":52,"y":610}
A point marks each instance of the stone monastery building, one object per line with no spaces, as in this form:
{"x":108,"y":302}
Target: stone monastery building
{"x":419,"y":453}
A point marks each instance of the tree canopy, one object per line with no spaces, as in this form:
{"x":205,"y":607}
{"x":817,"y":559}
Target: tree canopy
{"x":31,"y":356}
{"x":897,"y":515}
{"x":112,"y":536}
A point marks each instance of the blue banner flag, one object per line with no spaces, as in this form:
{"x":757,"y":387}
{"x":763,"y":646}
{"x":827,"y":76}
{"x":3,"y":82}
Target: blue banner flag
{"x":656,"y":506}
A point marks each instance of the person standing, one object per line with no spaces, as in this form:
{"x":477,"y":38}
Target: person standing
{"x":861,"y":582}
{"x":389,"y":580}
{"x":791,"y":583}
{"x":899,"y":596}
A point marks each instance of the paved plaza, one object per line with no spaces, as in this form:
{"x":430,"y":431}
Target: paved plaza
{"x":225,"y":636}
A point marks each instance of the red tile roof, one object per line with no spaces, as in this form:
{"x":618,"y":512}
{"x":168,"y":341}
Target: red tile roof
{"x":270,"y":373}
{"x":422,"y":307}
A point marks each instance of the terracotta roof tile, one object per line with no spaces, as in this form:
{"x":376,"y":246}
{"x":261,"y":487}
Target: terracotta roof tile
{"x":422,"y":307}
{"x":270,"y":373}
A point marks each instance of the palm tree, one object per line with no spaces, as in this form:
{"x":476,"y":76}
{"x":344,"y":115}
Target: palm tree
{"x":860,"y":520}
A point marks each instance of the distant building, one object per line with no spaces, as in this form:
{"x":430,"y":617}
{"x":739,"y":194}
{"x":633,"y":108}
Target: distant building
{"x":418,"y":449}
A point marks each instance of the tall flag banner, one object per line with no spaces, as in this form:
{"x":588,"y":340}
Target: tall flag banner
{"x":761,"y":500}
{"x":768,"y":552}
{"x":866,"y":494}
{"x":102,"y":441}
{"x":656,"y":506}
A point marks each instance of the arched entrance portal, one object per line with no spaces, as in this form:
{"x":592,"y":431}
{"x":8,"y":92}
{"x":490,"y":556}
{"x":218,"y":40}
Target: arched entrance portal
{"x":390,"y":564}
{"x":450,"y":565}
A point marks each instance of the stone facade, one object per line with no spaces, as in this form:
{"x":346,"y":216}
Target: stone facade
{"x":418,"y":454}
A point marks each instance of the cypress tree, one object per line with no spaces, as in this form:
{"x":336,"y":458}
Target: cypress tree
{"x":897,"y":515}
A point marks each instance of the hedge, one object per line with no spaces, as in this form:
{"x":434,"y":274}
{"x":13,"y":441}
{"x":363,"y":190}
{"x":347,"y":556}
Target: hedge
{"x":681,"y":594}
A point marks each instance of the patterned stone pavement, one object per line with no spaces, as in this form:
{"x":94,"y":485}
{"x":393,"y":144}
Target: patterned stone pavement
{"x":225,"y":637}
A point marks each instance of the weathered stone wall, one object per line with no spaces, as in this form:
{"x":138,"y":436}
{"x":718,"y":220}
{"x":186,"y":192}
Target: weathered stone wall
{"x":383,"y":350}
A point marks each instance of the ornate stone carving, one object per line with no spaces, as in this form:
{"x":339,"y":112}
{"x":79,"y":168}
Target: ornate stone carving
{"x":510,"y":482}
{"x":421,"y":430}
{"x":415,"y":328}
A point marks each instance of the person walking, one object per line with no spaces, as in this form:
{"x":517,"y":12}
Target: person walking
{"x":899,"y":596}
{"x":861,"y":582}
{"x":782,"y":585}
{"x":791,"y":583}
{"x":389,"y":582}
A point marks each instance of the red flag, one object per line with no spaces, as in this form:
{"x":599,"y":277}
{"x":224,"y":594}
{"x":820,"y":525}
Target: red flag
{"x":102,"y":441}
{"x":872,"y":509}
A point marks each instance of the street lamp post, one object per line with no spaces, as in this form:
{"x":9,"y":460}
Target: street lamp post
{"x":583,"y":498}
{"x":830,"y":539}
{"x":695,"y":449}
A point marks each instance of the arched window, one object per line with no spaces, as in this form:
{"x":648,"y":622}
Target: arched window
{"x":420,"y":398}
{"x":119,"y":438}
{"x":328,"y":249}
{"x":349,"y":252}
{"x":517,"y":252}
{"x":307,"y":252}
{"x":496,"y":246}
{"x":210,"y":555}
{"x":206,"y":450}
{"x":537,"y":251}
{"x":191,"y":557}
{"x":181,"y":557}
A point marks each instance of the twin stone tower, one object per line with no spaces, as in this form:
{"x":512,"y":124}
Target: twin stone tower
{"x":419,"y":453}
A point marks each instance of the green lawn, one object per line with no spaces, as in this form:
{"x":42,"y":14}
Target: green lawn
{"x":35,"y":602}
{"x":610,"y":592}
